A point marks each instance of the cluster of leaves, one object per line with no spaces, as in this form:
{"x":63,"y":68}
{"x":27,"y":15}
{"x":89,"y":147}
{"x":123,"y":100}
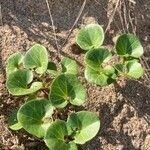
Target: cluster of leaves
{"x":31,"y":75}
{"x":99,"y":70}
{"x":49,"y":90}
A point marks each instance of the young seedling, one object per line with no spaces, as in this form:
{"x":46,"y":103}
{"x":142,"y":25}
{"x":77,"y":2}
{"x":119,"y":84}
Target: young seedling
{"x":65,"y":89}
{"x":85,"y":126}
{"x":20,"y":83}
{"x":14,"y":63}
{"x":68,"y":65}
{"x":90,"y":37}
{"x":35,"y":116}
{"x":96,"y":69}
{"x":37,"y":58}
{"x":79,"y":128}
{"x":31,"y":75}
{"x":127,"y":47}
{"x":58,"y":136}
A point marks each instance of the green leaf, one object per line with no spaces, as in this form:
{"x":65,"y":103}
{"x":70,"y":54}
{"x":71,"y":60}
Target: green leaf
{"x":67,"y":88}
{"x":13,"y":63}
{"x":69,"y":66}
{"x":100,"y":76}
{"x":57,"y":136}
{"x":35,"y":117}
{"x":134,"y":69}
{"x":90,"y":37}
{"x":95,"y":58}
{"x":128,"y":45}
{"x":120,"y":68}
{"x":13,"y":121}
{"x":37,"y":58}
{"x":52,"y":69}
{"x":95,"y":72}
{"x":85,"y":124}
{"x":18,"y":83}
{"x":109,"y":70}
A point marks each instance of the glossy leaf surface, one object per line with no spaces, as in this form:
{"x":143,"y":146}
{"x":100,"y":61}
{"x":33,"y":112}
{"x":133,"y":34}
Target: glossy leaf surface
{"x":18,"y":83}
{"x":134,"y":69}
{"x":56,"y":136}
{"x":66,"y":88}
{"x":85,"y":124}
{"x":129,"y":45}
{"x":13,"y":63}
{"x":69,"y":66}
{"x":36,"y":57}
{"x":95,"y":71}
{"x":90,"y":37}
{"x":35,"y":116}
{"x":95,"y":58}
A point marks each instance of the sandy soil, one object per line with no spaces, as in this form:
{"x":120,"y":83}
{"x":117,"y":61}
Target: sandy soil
{"x":124,"y":110}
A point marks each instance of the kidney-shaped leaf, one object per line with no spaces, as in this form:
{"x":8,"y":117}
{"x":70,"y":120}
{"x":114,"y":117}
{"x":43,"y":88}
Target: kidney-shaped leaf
{"x":95,"y":58}
{"x":95,"y":72}
{"x":13,"y":63}
{"x":13,"y":121}
{"x":57,"y":136}
{"x":129,"y":45}
{"x":35,"y":116}
{"x":85,"y":124}
{"x":100,"y":76}
{"x":90,"y":37}
{"x":134,"y":69}
{"x":67,"y":88}
{"x":69,"y":66}
{"x":37,"y":58}
{"x":18,"y":83}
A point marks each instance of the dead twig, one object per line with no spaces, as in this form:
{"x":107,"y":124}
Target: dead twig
{"x":145,"y":64}
{"x":59,"y":49}
{"x":125,"y":16}
{"x":122,"y":16}
{"x":131,"y":21}
{"x":121,"y":20}
{"x":132,"y":1}
{"x":1,"y":17}
{"x":53,"y":27}
{"x":70,"y":31}
{"x":112,"y":16}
